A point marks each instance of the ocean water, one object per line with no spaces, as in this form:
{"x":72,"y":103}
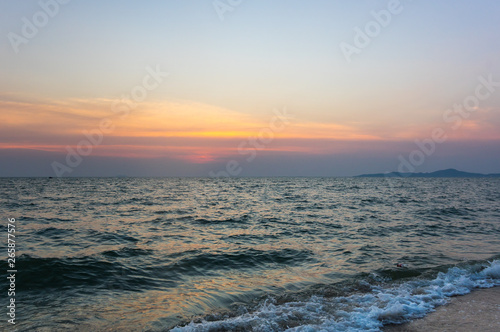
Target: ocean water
{"x":246,"y":254}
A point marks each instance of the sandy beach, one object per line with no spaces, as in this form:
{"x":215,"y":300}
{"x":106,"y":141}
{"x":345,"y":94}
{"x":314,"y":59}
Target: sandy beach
{"x":479,"y":310}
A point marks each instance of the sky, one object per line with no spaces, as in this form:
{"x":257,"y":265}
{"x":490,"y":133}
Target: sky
{"x":248,"y":88}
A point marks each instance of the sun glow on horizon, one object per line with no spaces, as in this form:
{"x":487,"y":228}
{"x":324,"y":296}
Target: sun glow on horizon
{"x":193,"y":132}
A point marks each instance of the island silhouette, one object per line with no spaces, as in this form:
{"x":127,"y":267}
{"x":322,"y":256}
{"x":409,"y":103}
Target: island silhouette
{"x":445,"y":173}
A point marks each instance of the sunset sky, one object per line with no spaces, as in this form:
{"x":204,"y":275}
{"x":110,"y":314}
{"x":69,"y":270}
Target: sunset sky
{"x":251,"y":88}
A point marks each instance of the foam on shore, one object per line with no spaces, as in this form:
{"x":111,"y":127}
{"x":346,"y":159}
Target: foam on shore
{"x":370,"y":311}
{"x":479,"y":310}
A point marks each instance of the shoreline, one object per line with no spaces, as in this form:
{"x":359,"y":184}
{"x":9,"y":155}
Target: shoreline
{"x":478,"y":310}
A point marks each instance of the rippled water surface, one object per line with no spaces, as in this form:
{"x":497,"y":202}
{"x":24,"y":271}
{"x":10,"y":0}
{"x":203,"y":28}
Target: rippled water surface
{"x":262,"y":254}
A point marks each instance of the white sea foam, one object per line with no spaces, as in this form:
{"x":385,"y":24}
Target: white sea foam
{"x":367,"y":312}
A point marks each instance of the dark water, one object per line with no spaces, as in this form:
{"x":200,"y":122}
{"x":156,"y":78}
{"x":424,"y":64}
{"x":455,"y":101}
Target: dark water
{"x":260,"y":254}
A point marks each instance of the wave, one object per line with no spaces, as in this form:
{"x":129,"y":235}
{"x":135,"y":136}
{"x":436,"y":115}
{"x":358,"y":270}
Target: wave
{"x":247,"y":259}
{"x":89,"y":273}
{"x":382,"y":305}
{"x":112,"y":269}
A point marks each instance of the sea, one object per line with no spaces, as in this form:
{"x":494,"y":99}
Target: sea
{"x":244,"y":254}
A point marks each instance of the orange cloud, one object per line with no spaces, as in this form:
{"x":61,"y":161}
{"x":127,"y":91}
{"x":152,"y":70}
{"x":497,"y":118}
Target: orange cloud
{"x":192,"y":131}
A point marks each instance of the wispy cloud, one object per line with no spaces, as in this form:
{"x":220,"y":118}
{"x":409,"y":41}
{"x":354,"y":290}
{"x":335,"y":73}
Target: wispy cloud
{"x":196,"y":132}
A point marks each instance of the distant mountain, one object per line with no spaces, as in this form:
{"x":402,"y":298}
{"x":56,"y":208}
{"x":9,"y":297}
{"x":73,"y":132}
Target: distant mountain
{"x":445,"y":173}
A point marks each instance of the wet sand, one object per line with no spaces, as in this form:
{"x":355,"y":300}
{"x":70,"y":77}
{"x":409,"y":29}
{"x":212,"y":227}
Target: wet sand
{"x":477,"y":311}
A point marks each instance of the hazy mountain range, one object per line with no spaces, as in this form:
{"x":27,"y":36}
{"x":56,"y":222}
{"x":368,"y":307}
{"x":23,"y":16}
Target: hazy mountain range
{"x":445,"y":173}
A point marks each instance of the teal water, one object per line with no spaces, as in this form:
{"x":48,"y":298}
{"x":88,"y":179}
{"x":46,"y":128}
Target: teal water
{"x":246,"y":254}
